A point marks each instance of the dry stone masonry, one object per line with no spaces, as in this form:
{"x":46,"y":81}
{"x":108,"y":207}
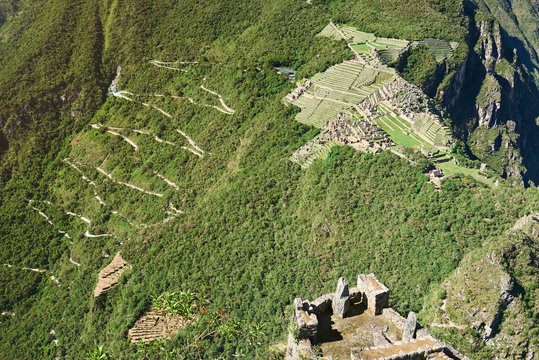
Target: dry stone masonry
{"x":152,"y":326}
{"x":368,"y":302}
{"x":409,"y":327}
{"x":345,"y":129}
{"x":341,"y":298}
{"x":367,"y":89}
{"x":376,"y":294}
{"x":108,"y":277}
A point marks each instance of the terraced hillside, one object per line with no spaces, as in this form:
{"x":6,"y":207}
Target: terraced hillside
{"x":370,"y":48}
{"x":371,"y":91}
{"x":339,"y":87}
{"x":181,"y":165}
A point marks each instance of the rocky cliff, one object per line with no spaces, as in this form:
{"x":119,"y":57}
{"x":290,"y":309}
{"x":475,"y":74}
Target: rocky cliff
{"x":492,"y":101}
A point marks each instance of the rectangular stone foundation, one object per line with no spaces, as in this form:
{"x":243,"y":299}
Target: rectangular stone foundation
{"x":376,"y":294}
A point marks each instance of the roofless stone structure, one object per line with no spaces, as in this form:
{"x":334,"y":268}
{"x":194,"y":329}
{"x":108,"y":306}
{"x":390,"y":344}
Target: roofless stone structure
{"x":357,"y":323}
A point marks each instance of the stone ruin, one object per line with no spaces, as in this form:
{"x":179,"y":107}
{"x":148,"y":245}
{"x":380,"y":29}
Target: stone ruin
{"x":364,"y":134}
{"x":407,"y":99}
{"x":109,"y":275}
{"x":411,"y":98}
{"x":370,"y":295}
{"x":376,"y":295}
{"x":300,"y":90}
{"x":154,"y":326}
{"x":435,"y":177}
{"x":360,"y":134}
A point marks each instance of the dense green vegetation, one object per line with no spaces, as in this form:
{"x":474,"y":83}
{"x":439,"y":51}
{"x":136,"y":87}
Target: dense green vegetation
{"x":257,"y":229}
{"x":508,"y":264}
{"x":418,"y":65}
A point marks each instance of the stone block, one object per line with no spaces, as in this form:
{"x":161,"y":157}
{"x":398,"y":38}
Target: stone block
{"x":341,"y":298}
{"x":298,"y":304}
{"x":355,"y":295}
{"x":379,"y":339}
{"x":307,"y":324}
{"x":409,"y":327}
{"x":291,"y":348}
{"x":322,"y":304}
{"x":375,"y":294}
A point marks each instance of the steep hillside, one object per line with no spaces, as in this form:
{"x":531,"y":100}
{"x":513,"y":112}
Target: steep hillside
{"x":492,"y":296}
{"x":521,"y":29}
{"x":7,"y":9}
{"x":491,"y":102}
{"x":145,"y":151}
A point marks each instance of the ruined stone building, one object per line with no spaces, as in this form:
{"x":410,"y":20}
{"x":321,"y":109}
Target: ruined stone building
{"x":358,"y":324}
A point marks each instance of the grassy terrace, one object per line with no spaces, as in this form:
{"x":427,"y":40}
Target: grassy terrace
{"x":339,"y":77}
{"x":450,"y":168}
{"x":356,"y":36}
{"x":389,"y":55}
{"x":338,"y":95}
{"x":412,"y":141}
{"x":361,"y":48}
{"x":348,"y":83}
{"x":317,"y":112}
{"x":396,"y":131}
{"x":402,"y":134}
{"x":321,"y":151}
{"x":388,"y":49}
{"x":342,"y":85}
{"x":365,"y":44}
{"x":426,"y":127}
{"x":440,"y":49}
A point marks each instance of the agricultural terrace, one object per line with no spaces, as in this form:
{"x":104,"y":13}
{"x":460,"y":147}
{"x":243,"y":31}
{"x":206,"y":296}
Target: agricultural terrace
{"x":424,"y":134}
{"x":370,"y":48}
{"x":441,"y":49}
{"x":318,"y":151}
{"x":340,"y":87}
{"x":344,"y":86}
{"x":366,"y":46}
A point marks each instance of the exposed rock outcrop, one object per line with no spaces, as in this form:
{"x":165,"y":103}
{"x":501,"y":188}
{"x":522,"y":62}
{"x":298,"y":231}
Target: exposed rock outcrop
{"x":491,"y":96}
{"x":409,"y":327}
{"x":341,"y":298}
{"x":486,"y":292}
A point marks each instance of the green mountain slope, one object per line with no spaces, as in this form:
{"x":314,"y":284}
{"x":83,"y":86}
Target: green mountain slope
{"x":183,"y":168}
{"x":492,"y":296}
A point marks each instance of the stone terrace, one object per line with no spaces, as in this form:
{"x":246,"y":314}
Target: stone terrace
{"x":152,"y":326}
{"x":109,"y":275}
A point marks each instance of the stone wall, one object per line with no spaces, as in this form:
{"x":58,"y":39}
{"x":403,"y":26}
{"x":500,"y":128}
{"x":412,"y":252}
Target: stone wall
{"x":417,"y":344}
{"x":418,"y":353}
{"x":376,"y":293}
{"x":109,"y":275}
{"x":306,"y":321}
{"x":360,"y":134}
